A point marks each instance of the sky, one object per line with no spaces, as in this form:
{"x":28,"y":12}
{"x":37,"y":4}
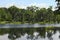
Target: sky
{"x":25,"y":3}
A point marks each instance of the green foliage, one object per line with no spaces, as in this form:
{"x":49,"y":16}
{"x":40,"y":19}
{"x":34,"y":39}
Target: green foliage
{"x":31,"y":14}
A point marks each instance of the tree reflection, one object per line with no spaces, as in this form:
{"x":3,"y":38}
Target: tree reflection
{"x":15,"y":33}
{"x":49,"y":35}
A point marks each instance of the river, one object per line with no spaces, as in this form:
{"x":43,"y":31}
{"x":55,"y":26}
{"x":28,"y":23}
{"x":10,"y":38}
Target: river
{"x":29,"y":34}
{"x":29,"y":31}
{"x":27,"y":25}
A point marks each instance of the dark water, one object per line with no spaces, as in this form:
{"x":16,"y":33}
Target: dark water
{"x":40,"y":33}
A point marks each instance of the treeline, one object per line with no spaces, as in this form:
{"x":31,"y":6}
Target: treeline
{"x":31,"y":14}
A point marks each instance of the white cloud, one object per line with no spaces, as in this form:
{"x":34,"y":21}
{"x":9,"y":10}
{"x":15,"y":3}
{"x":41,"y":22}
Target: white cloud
{"x":21,"y":6}
{"x":40,"y":5}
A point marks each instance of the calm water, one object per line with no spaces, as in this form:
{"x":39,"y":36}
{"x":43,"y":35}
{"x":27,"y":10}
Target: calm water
{"x":27,"y":25}
{"x":41,"y":33}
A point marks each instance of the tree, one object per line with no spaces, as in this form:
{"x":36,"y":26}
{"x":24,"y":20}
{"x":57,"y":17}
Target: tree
{"x":50,"y":14}
{"x":41,"y":14}
{"x":4,"y":15}
{"x":14,"y":11}
{"x":58,"y":6}
{"x":31,"y":14}
{"x":57,"y":11}
{"x":33,"y":10}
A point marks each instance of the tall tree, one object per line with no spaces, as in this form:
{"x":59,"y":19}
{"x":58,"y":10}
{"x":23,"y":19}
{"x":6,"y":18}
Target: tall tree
{"x":58,"y":5}
{"x":4,"y":15}
{"x":14,"y":11}
{"x":57,"y":12}
{"x":33,"y":10}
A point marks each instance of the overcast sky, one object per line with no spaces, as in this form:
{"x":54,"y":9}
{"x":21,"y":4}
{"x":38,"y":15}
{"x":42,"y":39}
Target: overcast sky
{"x":25,"y":3}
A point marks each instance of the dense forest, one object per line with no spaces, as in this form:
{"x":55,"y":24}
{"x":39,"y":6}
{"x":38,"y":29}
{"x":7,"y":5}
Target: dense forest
{"x":31,"y":14}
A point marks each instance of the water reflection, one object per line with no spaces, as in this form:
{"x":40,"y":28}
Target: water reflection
{"x":41,"y":33}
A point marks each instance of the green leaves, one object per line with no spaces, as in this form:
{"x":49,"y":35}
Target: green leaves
{"x":32,"y":14}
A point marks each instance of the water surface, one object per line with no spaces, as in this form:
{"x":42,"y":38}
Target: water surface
{"x":41,"y":33}
{"x":27,"y":25}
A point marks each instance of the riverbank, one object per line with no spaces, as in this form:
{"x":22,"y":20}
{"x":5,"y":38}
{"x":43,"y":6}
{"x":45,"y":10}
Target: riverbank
{"x":7,"y":22}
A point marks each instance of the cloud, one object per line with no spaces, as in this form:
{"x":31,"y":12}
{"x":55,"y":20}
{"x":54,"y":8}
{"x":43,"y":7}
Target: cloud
{"x":7,"y":5}
{"x":40,"y":5}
